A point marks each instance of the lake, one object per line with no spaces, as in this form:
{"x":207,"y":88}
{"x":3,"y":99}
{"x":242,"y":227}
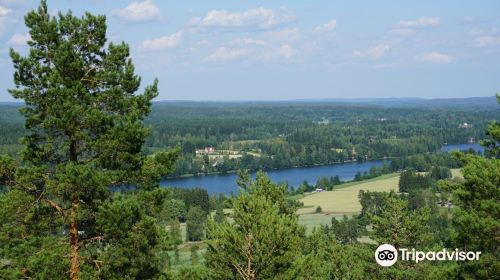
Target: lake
{"x":226,"y":183}
{"x":463,"y":147}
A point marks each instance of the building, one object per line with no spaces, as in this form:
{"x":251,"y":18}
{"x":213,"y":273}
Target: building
{"x":464,"y":125}
{"x":207,"y":150}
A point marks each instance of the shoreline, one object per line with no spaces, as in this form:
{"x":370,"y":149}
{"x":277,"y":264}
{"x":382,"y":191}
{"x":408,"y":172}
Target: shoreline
{"x":273,"y":169}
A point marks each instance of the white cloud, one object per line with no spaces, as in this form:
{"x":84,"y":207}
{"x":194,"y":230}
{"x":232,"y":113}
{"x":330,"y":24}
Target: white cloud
{"x":54,"y":12}
{"x":289,"y":34}
{"x":329,"y":26}
{"x":203,"y":43}
{"x":138,"y":12}
{"x":409,"y":27}
{"x":486,"y":41}
{"x":285,"y":51}
{"x":419,"y":23}
{"x":4,"y":11}
{"x":249,"y":41}
{"x":161,"y":43}
{"x":468,"y":19}
{"x":437,"y":58}
{"x":258,"y":18}
{"x":376,"y":52}
{"x":18,"y":40}
{"x":223,"y":54}
{"x":483,"y":32}
{"x":403,"y":31}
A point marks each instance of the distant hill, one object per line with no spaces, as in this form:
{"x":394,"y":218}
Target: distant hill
{"x":488,"y":102}
{"x":484,"y":103}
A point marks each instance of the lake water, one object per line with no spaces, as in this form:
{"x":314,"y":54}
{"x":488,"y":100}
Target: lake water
{"x":226,"y":183}
{"x":462,"y":147}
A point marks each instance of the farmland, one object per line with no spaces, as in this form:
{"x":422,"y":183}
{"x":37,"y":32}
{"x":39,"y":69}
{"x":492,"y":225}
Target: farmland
{"x":344,"y":200}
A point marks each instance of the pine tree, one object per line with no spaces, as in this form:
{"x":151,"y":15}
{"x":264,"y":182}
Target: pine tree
{"x":263,"y":241}
{"x":85,"y":127}
{"x":397,"y":225}
{"x":476,"y":219}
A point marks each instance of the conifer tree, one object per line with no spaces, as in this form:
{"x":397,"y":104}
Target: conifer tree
{"x":85,"y":127}
{"x":263,"y":242}
{"x":476,"y":219}
{"x":493,"y":143}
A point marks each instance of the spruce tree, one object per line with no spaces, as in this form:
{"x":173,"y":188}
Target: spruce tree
{"x":85,"y":127}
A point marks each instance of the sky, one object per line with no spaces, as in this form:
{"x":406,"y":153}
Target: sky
{"x":287,"y":50}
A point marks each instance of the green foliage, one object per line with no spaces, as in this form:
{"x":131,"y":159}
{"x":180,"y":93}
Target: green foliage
{"x":24,"y":251}
{"x":35,"y":257}
{"x":424,"y":162}
{"x":264,"y":239}
{"x":197,"y":272}
{"x":371,"y":202}
{"x":318,"y":210}
{"x":7,"y":170}
{"x":193,"y":197}
{"x":173,"y":209}
{"x":346,"y":231}
{"x":396,"y":224}
{"x":84,"y":133}
{"x":419,"y":198}
{"x":196,"y":224}
{"x":410,"y":180}
{"x":493,"y":143}
{"x":175,"y":232}
{"x":194,"y":254}
{"x":130,"y":238}
{"x":476,"y":219}
{"x":440,"y":173}
{"x":219,"y":214}
{"x":324,"y":258}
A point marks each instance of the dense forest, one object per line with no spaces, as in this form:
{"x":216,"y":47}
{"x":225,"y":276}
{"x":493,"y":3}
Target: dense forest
{"x":279,"y":135}
{"x":82,"y":200}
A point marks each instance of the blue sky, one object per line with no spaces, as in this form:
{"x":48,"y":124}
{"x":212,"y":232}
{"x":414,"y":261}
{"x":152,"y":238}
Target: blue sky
{"x":282,"y":50}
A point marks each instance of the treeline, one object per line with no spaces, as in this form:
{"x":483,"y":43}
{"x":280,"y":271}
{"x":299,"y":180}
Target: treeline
{"x":60,"y":219}
{"x":437,"y":165}
{"x":274,"y":136}
{"x":265,"y":222}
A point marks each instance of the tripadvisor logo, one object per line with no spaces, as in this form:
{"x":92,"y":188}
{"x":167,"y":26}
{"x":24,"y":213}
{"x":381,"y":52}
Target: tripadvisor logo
{"x":387,"y":255}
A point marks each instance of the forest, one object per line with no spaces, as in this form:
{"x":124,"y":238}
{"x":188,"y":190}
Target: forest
{"x":275,"y":135}
{"x":83,"y":156}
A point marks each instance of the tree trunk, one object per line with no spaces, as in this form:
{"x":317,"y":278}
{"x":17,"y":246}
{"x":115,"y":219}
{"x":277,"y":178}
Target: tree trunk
{"x":74,"y":271}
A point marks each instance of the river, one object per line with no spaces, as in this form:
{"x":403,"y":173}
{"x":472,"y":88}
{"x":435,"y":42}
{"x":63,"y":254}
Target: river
{"x":463,"y":147}
{"x":226,"y":183}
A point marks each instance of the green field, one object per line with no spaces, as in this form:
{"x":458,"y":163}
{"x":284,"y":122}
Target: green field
{"x":344,"y":200}
{"x":340,"y":201}
{"x":457,"y":173}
